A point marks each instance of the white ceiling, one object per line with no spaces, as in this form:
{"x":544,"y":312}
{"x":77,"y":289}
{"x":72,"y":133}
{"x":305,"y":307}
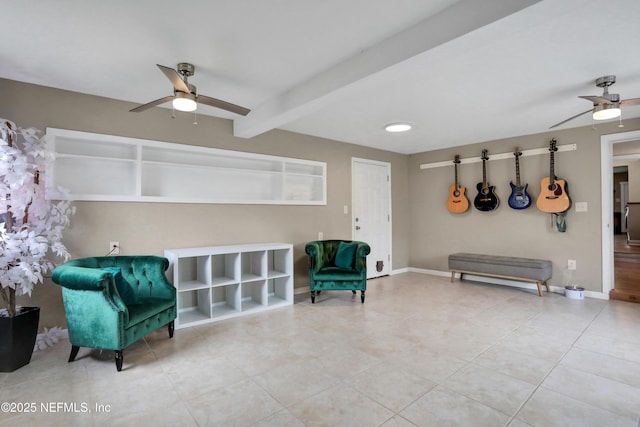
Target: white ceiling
{"x":459,"y":71}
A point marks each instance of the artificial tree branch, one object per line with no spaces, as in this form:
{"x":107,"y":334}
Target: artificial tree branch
{"x":9,"y":294}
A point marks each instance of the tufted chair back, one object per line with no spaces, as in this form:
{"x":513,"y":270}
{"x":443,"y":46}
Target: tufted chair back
{"x":140,"y":271}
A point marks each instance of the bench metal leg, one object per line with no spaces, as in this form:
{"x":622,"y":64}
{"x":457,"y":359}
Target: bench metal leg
{"x":453,"y":275}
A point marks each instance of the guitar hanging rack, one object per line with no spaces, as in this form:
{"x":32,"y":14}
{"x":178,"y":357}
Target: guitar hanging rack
{"x":506,"y":155}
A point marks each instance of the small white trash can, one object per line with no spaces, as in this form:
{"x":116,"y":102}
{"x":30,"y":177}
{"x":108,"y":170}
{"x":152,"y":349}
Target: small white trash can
{"x":574,"y":292}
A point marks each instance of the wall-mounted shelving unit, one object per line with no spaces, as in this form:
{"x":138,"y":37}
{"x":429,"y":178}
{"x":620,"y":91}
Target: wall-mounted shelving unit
{"x":113,"y":168}
{"x":220,"y":282}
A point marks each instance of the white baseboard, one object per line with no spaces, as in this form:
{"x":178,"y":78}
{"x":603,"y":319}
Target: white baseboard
{"x":483,"y":279}
{"x":498,"y":281}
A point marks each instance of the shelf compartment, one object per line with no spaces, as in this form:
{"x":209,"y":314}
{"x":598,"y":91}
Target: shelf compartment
{"x":278,"y":262}
{"x":92,"y":148}
{"x":168,"y":180}
{"x":304,"y":188}
{"x":194,"y":306}
{"x":254,"y":295}
{"x":304,"y":168}
{"x":253,"y":266}
{"x":280,"y":291}
{"x":106,"y":177}
{"x":193,"y":272}
{"x":225,"y":268}
{"x":212,"y":158}
{"x":225,"y":300}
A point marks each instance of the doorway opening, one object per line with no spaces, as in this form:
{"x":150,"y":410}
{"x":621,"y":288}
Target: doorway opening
{"x":608,"y":217}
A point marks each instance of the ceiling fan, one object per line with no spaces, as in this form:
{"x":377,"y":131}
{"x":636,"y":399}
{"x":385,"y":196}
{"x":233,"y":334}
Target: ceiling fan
{"x":185,"y":97}
{"x":606,"y":106}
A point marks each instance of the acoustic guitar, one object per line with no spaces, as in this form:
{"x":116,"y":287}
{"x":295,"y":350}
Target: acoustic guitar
{"x":553,"y":196}
{"x":519,"y":198}
{"x":457,"y":202}
{"x":486,"y":199}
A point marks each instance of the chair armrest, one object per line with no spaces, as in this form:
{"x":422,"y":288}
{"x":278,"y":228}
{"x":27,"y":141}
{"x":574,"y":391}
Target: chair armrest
{"x":361,"y":256}
{"x":81,"y":278}
{"x":99,"y":282}
{"x":314,"y":250}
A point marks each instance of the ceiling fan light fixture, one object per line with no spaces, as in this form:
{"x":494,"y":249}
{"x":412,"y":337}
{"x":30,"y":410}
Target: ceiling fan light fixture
{"x":606,"y":111}
{"x":185,"y":102}
{"x":397,"y":127}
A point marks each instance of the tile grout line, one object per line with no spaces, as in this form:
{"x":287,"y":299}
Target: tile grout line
{"x":537,"y":387}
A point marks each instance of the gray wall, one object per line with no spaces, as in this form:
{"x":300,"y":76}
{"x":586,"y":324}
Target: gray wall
{"x":424,"y":232}
{"x":526,"y":233}
{"x":149,"y":228}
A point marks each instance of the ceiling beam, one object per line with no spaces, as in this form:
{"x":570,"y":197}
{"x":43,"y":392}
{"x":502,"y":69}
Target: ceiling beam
{"x":324,"y":88}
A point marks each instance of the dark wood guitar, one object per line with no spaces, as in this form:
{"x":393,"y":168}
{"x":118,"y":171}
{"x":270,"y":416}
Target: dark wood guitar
{"x":486,"y":200}
{"x":457,"y":202}
{"x":519,"y":198}
{"x":553,"y":196}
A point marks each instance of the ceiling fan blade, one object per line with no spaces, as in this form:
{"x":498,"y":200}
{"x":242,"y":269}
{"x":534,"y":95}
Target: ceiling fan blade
{"x":175,"y":79}
{"x":571,"y":118}
{"x":151,"y":104}
{"x":596,"y":99}
{"x":224,"y":105}
{"x":632,"y":101}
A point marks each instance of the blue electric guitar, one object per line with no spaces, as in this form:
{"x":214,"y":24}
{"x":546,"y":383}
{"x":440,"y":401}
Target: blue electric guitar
{"x":519,"y":198}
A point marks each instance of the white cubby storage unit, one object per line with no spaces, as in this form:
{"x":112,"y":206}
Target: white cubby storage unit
{"x":219,"y":282}
{"x":113,"y":168}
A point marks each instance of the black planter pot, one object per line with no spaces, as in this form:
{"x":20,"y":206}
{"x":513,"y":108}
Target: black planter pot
{"x":17,"y":338}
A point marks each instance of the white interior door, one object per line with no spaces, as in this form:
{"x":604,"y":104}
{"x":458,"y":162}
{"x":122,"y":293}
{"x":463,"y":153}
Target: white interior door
{"x":371,"y":212}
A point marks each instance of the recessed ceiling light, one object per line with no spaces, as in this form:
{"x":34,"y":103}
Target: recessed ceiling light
{"x":397,"y":127}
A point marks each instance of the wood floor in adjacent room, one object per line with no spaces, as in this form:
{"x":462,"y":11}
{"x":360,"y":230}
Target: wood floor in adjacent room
{"x":627,"y":271}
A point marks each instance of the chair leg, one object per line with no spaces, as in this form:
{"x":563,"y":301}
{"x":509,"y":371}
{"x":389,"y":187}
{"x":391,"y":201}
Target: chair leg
{"x":74,"y":353}
{"x":171,"y":326}
{"x":361,"y":296}
{"x":354,"y":292}
{"x":119,"y":358}
{"x":313,"y":297}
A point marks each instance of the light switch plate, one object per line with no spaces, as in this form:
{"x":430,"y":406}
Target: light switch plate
{"x":581,"y":206}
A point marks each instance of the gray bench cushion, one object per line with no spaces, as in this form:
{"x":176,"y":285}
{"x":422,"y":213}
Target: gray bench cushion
{"x":526,"y":268}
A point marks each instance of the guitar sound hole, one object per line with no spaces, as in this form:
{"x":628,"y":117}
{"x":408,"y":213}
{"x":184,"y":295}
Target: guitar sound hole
{"x":456,"y":193}
{"x":553,"y":187}
{"x":485,"y":191}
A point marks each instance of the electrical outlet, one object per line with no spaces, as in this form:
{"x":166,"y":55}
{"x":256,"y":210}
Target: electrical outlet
{"x":320,"y":235}
{"x":114,"y":248}
{"x":571,"y":264}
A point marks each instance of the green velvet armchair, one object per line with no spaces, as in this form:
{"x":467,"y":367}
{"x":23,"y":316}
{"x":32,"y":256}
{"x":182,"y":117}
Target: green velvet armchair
{"x":337,"y":265}
{"x":110,"y":302}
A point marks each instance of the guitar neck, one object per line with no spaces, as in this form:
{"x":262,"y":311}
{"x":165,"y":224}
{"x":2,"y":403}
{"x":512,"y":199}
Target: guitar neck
{"x":456,"y":173}
{"x":552,"y":175}
{"x":484,"y":173}
{"x":518,"y":171}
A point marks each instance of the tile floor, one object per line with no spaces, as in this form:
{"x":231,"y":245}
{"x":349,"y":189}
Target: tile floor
{"x":421,"y":351}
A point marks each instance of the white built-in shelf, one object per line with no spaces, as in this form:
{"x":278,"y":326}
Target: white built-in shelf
{"x":219,"y":282}
{"x":114,"y":168}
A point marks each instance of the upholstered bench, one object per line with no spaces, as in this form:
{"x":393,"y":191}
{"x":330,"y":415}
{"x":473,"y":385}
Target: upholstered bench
{"x":522,"y":269}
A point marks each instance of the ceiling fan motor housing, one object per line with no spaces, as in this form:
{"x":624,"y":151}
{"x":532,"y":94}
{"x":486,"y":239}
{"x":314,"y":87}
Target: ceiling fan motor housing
{"x":189,"y":70}
{"x":605,"y":81}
